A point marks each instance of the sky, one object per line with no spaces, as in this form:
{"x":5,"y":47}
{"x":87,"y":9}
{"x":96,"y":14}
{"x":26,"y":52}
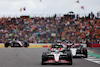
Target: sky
{"x":47,"y":7}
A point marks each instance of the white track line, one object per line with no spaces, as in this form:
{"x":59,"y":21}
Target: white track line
{"x":93,"y":59}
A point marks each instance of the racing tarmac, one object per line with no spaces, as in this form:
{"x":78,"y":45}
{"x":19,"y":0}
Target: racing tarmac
{"x":95,"y":50}
{"x":31,"y":57}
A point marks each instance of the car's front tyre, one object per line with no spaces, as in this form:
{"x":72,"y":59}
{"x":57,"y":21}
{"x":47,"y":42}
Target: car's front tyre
{"x":69,"y":58}
{"x":26,"y":44}
{"x":44,"y":58}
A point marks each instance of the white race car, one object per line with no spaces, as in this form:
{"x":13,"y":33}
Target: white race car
{"x":16,"y":43}
{"x":78,"y":50}
{"x":57,"y":56}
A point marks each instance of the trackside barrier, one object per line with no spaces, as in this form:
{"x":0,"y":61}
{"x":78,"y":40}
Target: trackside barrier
{"x":40,"y":45}
{"x":34,"y":45}
{"x":1,"y":44}
{"x":94,"y":45}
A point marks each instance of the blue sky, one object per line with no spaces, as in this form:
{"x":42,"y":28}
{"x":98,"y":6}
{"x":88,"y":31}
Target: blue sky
{"x":35,"y":7}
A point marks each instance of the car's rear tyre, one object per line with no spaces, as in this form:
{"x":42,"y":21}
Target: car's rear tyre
{"x":69,"y":58}
{"x":44,"y":58}
{"x":6,"y":44}
{"x":85,"y":52}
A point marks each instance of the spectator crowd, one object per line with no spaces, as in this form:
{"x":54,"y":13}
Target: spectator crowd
{"x":41,"y":29}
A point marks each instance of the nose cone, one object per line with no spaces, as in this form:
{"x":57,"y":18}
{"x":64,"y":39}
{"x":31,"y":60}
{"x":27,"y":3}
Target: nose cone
{"x":73,"y":51}
{"x":56,"y":57}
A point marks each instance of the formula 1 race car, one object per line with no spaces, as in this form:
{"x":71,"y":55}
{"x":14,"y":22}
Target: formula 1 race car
{"x":57,"y":56}
{"x":59,"y":46}
{"x":16,"y":43}
{"x":78,"y":50}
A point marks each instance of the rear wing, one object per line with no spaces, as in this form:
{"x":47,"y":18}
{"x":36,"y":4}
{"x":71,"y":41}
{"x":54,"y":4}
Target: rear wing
{"x":75,"y":44}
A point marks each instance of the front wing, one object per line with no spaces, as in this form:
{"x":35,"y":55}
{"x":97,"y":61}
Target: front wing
{"x":53,"y":61}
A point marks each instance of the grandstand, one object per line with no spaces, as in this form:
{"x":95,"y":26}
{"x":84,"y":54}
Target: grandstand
{"x":40,"y":29}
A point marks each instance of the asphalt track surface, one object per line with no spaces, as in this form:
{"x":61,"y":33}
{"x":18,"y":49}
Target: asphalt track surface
{"x":95,"y":50}
{"x":31,"y":57}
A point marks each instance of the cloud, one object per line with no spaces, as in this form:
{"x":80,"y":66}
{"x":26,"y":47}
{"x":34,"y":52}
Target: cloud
{"x":47,"y":6}
{"x":14,"y":6}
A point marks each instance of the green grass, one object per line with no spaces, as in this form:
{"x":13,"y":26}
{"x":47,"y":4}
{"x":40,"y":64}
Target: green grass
{"x":94,"y":55}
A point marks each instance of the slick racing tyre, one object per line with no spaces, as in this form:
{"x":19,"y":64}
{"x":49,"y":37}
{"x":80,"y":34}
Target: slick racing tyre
{"x":85,"y":52}
{"x":44,"y":58}
{"x":26,"y":44}
{"x":69,"y":58}
{"x":7,"y":44}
